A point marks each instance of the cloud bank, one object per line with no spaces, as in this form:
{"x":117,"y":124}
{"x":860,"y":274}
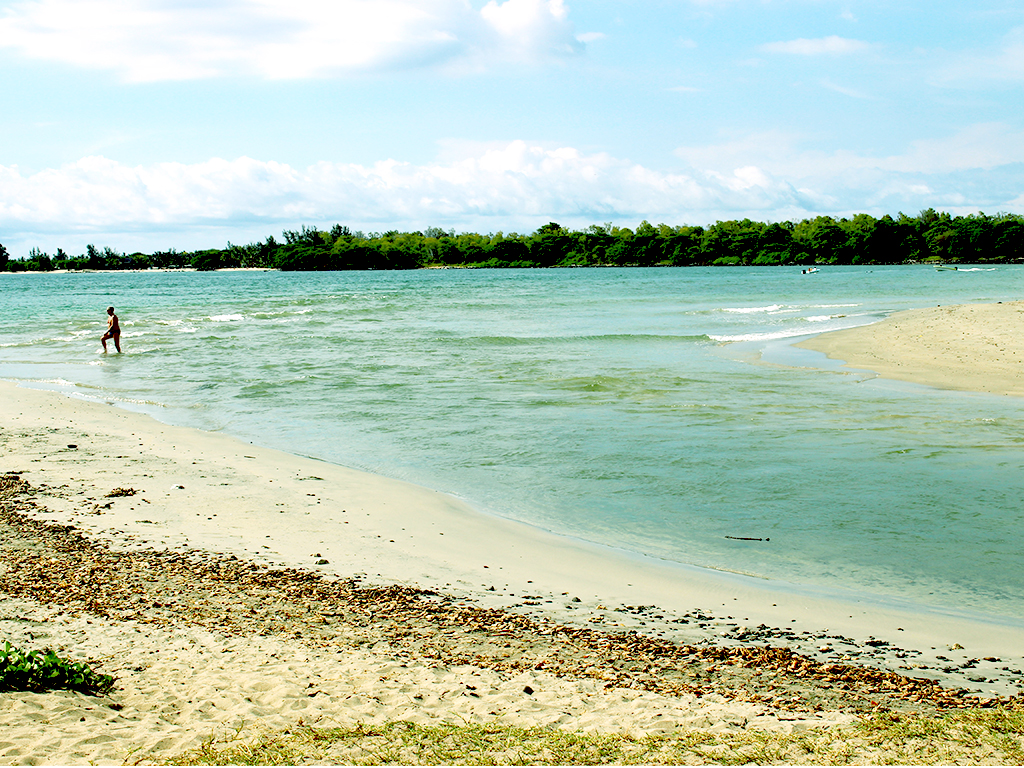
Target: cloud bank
{"x":514,"y":187}
{"x":154,"y":40}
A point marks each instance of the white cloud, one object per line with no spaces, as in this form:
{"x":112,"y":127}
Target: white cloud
{"x":978,"y":147}
{"x":832,"y":45}
{"x":979,"y":167}
{"x":511,"y":186}
{"x":513,"y":182}
{"x":151,"y":40}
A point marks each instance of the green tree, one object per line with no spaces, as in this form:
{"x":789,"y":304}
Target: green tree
{"x":549,"y":245}
{"x":591,"y":246}
{"x":1008,"y":238}
{"x":682,"y":246}
{"x":94,"y":259}
{"x":892,"y":241}
{"x":208,"y":260}
{"x":508,"y":251}
{"x":775,"y":245}
{"x":38,"y":261}
{"x":732,"y":242}
{"x":822,"y":239}
{"x":447,"y":251}
{"x":973,"y":238}
{"x":646,"y":247}
{"x":858,"y":231}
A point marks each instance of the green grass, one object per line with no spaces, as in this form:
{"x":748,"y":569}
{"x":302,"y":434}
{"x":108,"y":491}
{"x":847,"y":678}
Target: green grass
{"x":972,"y":737}
{"x":46,"y":671}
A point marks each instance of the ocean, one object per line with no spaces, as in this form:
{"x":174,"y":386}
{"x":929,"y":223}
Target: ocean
{"x":660,"y":411}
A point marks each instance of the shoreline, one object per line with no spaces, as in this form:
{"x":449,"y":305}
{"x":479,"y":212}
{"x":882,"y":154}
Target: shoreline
{"x":203,"y":645}
{"x":965,"y":347}
{"x":193,"y":489}
{"x":185,"y":563}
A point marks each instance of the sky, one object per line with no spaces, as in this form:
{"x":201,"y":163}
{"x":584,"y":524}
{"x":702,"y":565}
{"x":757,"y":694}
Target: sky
{"x":155,"y":124}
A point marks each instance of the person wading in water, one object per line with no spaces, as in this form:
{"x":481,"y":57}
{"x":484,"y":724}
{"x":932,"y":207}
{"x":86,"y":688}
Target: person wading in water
{"x":113,"y":331}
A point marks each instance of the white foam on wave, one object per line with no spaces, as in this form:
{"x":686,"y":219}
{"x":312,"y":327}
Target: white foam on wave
{"x":783,"y":309}
{"x":751,"y":310}
{"x":226,"y":318}
{"x":286,"y":313}
{"x":818,"y":318}
{"x":58,"y":381}
{"x":759,"y":336}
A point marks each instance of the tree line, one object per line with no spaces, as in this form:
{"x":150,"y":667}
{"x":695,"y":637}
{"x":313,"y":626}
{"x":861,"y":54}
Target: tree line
{"x":862,"y":239}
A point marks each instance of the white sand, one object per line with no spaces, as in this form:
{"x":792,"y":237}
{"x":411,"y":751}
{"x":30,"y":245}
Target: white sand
{"x":972,"y":347}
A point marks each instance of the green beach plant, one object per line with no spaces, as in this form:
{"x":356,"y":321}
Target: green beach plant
{"x":46,"y":671}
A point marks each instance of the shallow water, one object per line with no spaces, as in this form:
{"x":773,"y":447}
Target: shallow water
{"x":622,"y":406}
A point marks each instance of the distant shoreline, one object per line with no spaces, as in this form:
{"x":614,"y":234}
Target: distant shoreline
{"x":821,"y":268}
{"x":137,"y":271}
{"x":931,"y":236}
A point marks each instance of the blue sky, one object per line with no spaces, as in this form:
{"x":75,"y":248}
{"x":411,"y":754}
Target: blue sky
{"x":150,"y":124}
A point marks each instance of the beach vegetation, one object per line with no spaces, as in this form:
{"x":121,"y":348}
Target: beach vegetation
{"x":46,"y":671}
{"x":974,"y":736}
{"x":931,"y":236}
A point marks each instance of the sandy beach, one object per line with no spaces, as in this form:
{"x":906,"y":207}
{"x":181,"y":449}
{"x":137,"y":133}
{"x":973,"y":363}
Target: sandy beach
{"x":970,"y":347}
{"x":224,"y":584}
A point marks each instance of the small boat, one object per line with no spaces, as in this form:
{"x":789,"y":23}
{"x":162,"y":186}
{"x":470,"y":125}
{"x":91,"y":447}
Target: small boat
{"x":950,"y":267}
{"x":810,"y":270}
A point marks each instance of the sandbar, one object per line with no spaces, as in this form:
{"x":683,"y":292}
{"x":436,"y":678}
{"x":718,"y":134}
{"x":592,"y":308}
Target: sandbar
{"x":969,"y":347}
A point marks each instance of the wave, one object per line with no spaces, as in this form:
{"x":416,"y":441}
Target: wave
{"x":226,"y":318}
{"x":769,"y":336}
{"x":751,"y":310}
{"x":263,"y":315}
{"x":569,"y":339}
{"x":783,"y":309}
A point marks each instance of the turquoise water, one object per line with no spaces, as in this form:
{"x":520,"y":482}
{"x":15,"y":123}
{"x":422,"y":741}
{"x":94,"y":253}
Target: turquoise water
{"x":605,"y":404}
